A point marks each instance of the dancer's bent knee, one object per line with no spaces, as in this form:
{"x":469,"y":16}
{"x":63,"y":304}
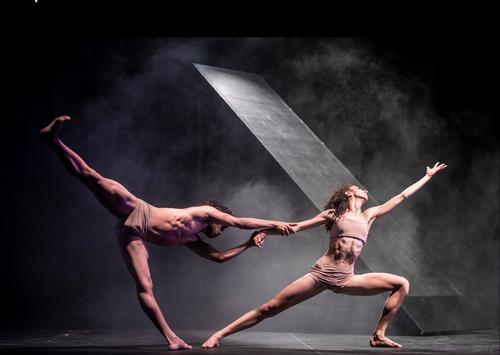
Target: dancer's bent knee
{"x":404,"y":287}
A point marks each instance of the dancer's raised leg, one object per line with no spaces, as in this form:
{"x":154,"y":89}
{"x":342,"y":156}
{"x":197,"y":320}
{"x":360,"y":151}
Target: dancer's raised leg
{"x":112,"y":195}
{"x":373,"y":284}
{"x":120,"y":203}
{"x":299,"y":291}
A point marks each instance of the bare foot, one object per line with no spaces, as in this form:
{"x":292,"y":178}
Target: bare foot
{"x":178,"y":344}
{"x":212,"y":342}
{"x":51,"y":133}
{"x":383,"y":341}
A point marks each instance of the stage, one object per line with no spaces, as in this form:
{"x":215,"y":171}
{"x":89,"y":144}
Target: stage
{"x":268,"y":126}
{"x":89,"y":341}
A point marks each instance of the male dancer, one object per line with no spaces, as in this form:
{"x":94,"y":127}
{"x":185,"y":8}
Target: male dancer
{"x":139,"y":222}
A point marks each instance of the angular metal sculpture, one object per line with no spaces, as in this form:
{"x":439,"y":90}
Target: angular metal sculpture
{"x":435,"y":305}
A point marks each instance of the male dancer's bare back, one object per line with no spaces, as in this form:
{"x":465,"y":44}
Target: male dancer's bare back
{"x":167,"y":227}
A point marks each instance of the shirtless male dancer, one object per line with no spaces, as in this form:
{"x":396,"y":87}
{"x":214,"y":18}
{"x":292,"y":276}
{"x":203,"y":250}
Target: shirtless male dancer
{"x":348,"y":226}
{"x":139,"y":222}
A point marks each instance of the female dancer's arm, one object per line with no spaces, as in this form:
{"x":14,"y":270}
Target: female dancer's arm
{"x":379,"y":211}
{"x":314,"y":222}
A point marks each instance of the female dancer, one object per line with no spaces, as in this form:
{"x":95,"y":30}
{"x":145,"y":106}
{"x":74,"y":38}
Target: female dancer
{"x":139,"y":222}
{"x":348,"y":226}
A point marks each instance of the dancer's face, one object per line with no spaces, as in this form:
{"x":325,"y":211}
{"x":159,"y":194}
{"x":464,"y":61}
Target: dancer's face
{"x":358,"y":192}
{"x":213,"y":230}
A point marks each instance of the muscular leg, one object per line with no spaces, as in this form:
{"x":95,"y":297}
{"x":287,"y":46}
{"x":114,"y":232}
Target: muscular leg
{"x":299,"y":291}
{"x":374,"y":284}
{"x":120,"y":203}
{"x":109,"y":193}
{"x":135,"y":255}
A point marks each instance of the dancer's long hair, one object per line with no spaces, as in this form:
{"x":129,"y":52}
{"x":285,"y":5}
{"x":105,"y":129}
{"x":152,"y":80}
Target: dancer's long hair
{"x":338,"y":202}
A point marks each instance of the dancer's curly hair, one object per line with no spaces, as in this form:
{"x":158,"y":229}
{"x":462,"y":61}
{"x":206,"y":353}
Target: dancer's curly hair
{"x":339,"y":202}
{"x":220,"y":206}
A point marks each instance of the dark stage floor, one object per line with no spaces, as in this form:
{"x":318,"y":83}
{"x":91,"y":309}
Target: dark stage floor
{"x":248,"y":342}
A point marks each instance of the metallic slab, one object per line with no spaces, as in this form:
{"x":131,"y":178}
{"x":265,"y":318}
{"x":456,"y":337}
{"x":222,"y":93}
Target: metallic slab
{"x":443,"y":314}
{"x":316,"y":170}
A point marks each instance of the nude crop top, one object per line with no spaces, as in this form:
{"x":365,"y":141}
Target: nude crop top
{"x":346,"y":227}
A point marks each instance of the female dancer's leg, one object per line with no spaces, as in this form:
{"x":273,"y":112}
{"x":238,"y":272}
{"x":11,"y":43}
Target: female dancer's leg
{"x":299,"y":291}
{"x":373,"y":284}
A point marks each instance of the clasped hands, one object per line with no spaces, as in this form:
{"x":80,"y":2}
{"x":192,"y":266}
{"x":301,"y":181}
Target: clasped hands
{"x":258,"y":237}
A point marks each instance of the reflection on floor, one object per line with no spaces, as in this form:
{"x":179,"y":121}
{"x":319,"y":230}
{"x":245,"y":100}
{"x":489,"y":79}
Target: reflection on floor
{"x":247,"y":342}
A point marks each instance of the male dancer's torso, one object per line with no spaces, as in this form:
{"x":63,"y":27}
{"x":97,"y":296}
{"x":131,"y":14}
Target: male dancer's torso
{"x":171,"y":227}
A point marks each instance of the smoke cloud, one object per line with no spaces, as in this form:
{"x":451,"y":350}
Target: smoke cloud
{"x":143,"y":115}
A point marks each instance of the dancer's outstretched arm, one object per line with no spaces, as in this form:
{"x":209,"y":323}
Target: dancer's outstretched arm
{"x":314,"y":222}
{"x":370,"y":213}
{"x":207,"y":251}
{"x":379,"y":211}
{"x":215,"y":216}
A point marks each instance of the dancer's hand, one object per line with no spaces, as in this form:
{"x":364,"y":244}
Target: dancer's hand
{"x":435,"y":169}
{"x":285,"y":228}
{"x":295,"y":228}
{"x":258,"y":238}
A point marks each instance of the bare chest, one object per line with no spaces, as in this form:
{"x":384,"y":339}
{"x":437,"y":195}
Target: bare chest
{"x":171,"y":227}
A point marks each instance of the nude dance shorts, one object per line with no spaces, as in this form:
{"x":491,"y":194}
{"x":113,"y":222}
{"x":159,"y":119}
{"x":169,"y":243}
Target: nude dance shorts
{"x":329,"y":276}
{"x":137,"y":222}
